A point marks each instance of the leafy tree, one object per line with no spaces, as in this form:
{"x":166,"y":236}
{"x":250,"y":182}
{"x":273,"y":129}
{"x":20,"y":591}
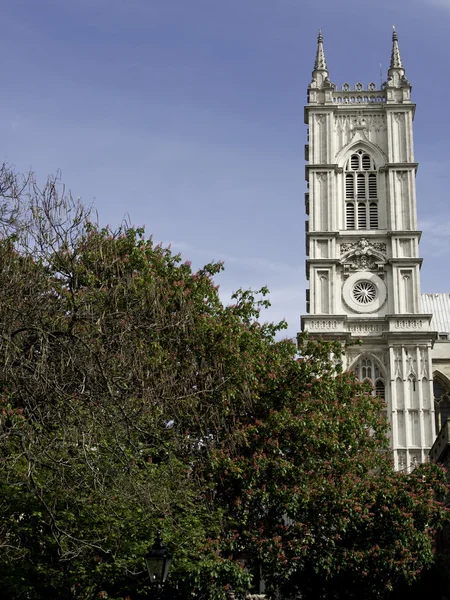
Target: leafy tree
{"x":132,"y":400}
{"x":311,"y":490}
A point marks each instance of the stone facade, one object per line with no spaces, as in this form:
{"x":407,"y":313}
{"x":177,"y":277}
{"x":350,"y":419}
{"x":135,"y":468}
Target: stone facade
{"x":362,"y":242}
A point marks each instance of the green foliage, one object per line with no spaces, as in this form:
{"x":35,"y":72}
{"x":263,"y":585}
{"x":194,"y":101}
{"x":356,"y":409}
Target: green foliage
{"x":310,"y":486}
{"x":132,"y":400}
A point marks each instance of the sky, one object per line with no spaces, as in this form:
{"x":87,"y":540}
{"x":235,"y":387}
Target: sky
{"x":186,"y":116}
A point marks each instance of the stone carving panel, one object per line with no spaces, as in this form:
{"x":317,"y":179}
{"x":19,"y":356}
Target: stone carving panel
{"x":373,"y":127}
{"x":363,"y":256}
{"x":363,"y":245}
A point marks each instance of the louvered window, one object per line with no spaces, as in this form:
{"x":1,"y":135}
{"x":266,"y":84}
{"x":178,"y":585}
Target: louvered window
{"x":361,"y":194}
{"x":366,"y":162}
{"x":350,"y":215}
{"x":379,"y":388}
{"x":349,"y":186}
{"x":361,"y":185}
{"x":373,"y":215}
{"x":372,"y":186}
{"x":362,"y":215}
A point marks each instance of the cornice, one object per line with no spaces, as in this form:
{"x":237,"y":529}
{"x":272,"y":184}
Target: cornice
{"x":404,"y":166}
{"x":407,"y":261}
{"x":322,"y":261}
{"x":400,"y":107}
{"x":405,"y":233}
{"x":326,"y":234}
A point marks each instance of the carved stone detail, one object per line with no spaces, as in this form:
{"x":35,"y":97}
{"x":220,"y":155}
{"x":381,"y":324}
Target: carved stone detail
{"x":398,"y":363}
{"x":367,"y":328}
{"x":411,"y":365}
{"x":364,"y":245}
{"x":320,"y":118}
{"x":423,"y":364}
{"x":363,"y":256}
{"x":323,"y":324}
{"x":367,"y":121}
{"x":408,"y":323}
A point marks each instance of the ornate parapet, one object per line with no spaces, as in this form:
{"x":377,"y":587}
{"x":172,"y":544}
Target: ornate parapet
{"x":418,"y":322}
{"x":367,"y":328}
{"x":342,"y":326}
{"x":318,"y":324}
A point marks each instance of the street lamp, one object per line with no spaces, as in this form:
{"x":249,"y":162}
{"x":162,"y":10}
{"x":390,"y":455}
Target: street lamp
{"x":158,"y":561}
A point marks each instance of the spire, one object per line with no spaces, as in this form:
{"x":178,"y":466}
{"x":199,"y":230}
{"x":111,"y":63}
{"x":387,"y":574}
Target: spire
{"x":320,"y":63}
{"x":396,"y":61}
{"x":396,"y":72}
{"x":320,"y":80}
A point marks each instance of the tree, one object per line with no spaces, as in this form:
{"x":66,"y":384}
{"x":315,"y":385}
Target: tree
{"x":119,"y":365}
{"x":132,"y":400}
{"x":311,"y":490}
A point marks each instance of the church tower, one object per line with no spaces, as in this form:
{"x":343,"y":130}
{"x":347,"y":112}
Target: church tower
{"x":362,"y":243}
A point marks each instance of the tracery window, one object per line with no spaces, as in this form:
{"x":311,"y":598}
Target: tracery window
{"x":441,"y":403}
{"x":361,"y":192}
{"x":366,"y":368}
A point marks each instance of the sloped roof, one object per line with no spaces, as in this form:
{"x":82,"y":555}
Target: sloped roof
{"x":439,"y":306}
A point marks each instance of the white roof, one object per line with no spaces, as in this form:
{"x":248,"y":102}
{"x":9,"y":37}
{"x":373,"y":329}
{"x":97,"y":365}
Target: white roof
{"x":439,"y":306}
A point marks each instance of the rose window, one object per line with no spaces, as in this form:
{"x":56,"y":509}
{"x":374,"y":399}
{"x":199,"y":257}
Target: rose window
{"x":364,"y":292}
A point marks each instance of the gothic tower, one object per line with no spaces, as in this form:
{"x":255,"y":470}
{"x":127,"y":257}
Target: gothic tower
{"x":362,"y":242}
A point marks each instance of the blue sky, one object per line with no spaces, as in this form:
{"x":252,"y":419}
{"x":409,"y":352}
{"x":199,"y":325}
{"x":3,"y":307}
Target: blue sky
{"x":187,"y":115}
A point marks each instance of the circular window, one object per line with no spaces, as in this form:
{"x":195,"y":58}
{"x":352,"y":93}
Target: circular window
{"x":364,"y":292}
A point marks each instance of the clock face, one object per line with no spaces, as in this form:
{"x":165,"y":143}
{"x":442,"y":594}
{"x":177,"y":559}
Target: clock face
{"x":364,"y":292}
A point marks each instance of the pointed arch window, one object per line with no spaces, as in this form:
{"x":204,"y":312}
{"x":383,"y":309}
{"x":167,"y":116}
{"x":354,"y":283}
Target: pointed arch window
{"x":441,"y":394}
{"x":367,"y":368}
{"x":361,"y":192}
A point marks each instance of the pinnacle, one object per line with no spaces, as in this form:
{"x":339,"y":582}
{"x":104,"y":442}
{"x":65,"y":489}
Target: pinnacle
{"x":320,"y":63}
{"x":396,"y":61}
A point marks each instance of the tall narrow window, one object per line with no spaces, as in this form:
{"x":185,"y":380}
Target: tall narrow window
{"x":441,"y":403}
{"x":349,"y":186}
{"x":350,"y":215}
{"x":362,"y":215}
{"x":372,"y":186}
{"x":361,"y":193}
{"x":361,"y":185}
{"x":366,"y":368}
{"x":373,"y":215}
{"x":379,"y":388}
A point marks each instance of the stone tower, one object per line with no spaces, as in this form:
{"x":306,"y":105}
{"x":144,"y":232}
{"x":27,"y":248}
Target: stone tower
{"x":362,"y":242}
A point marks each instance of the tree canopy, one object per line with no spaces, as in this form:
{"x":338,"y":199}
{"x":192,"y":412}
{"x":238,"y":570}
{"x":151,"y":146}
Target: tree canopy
{"x":133,"y":401}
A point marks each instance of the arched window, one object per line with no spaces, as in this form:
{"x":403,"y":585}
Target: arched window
{"x":361,"y":192}
{"x":367,"y":368}
{"x":441,"y":394}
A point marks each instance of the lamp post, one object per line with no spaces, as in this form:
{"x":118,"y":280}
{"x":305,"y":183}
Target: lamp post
{"x":158,"y":562}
